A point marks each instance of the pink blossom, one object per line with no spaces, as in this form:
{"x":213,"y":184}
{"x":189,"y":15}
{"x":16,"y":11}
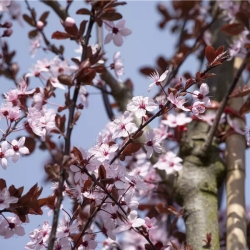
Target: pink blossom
{"x":231,"y":8}
{"x":161,"y":132}
{"x":83,"y":94}
{"x":18,"y":149}
{"x":39,"y":237}
{"x":132,"y":221}
{"x":5,"y":153}
{"x":105,"y":153}
{"x":118,"y":173}
{"x":15,"y":11}
{"x":136,"y":182}
{"x":36,"y":71}
{"x":236,"y":124}
{"x":56,"y":84}
{"x":117,"y":65}
{"x":4,"y":5}
{"x":152,"y":144}
{"x":198,"y":108}
{"x":63,"y":244}
{"x":79,"y":177}
{"x":201,"y":95}
{"x":178,"y":101}
{"x":9,"y":112}
{"x":88,"y":242}
{"x":41,"y":121}
{"x":140,"y":105}
{"x":116,"y":32}
{"x":6,"y":199}
{"x":78,"y":193}
{"x":107,"y":228}
{"x":11,"y":226}
{"x":35,"y":44}
{"x":150,"y":223}
{"x":123,"y":126}
{"x":178,"y":120}
{"x":169,"y":162}
{"x":210,"y":116}
{"x":129,"y":200}
{"x":156,"y":78}
{"x":58,"y":66}
{"x":65,"y":228}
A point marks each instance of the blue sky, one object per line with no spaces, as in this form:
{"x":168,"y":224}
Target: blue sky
{"x":141,"y":48}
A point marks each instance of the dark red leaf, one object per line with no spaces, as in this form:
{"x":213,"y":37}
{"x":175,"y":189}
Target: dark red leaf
{"x":33,"y":33}
{"x":111,"y":16}
{"x":147,"y":71}
{"x":245,"y":107}
{"x":65,"y":79}
{"x":29,"y":20}
{"x":44,"y":16}
{"x":241,"y":91}
{"x":60,"y":35}
{"x":210,"y":53}
{"x":30,"y":143}
{"x":233,"y":29}
{"x":82,"y":27}
{"x":83,"y":11}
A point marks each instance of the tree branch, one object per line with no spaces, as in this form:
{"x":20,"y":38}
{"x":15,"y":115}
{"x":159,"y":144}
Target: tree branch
{"x":68,"y":141}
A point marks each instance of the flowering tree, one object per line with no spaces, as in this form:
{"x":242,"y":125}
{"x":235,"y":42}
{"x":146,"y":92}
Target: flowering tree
{"x":142,"y":181}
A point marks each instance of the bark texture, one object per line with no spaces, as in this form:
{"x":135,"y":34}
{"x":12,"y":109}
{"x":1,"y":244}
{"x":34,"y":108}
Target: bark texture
{"x":196,"y":187}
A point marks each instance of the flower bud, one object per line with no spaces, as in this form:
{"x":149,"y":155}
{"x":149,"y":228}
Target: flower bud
{"x":40,"y":25}
{"x":69,"y":22}
{"x":7,"y":33}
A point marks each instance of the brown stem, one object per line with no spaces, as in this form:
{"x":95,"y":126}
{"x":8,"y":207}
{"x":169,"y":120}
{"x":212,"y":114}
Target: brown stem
{"x":67,"y":143}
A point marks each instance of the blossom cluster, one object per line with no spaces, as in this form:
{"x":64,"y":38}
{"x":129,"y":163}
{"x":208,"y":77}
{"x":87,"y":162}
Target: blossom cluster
{"x":119,"y":171}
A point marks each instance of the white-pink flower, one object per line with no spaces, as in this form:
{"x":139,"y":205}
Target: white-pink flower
{"x":105,"y":152}
{"x":35,"y":43}
{"x":5,"y":153}
{"x":132,"y":221}
{"x":236,"y":125}
{"x":201,"y":95}
{"x":198,"y":108}
{"x":116,"y":32}
{"x":10,"y":226}
{"x":88,"y":242}
{"x":117,"y":65}
{"x":123,"y":126}
{"x":39,"y":237}
{"x":6,"y":199}
{"x":78,"y":175}
{"x":65,"y":228}
{"x":178,"y":120}
{"x":4,"y":5}
{"x":169,"y":162}
{"x":152,"y":144}
{"x":18,"y":149}
{"x":140,"y":105}
{"x":178,"y":101}
{"x":157,"y":78}
{"x":150,"y":223}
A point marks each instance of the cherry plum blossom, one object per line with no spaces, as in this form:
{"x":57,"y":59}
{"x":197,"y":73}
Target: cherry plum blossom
{"x":140,"y":105}
{"x":116,"y":32}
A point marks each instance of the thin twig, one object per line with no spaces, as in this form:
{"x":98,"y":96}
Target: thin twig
{"x":67,"y":141}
